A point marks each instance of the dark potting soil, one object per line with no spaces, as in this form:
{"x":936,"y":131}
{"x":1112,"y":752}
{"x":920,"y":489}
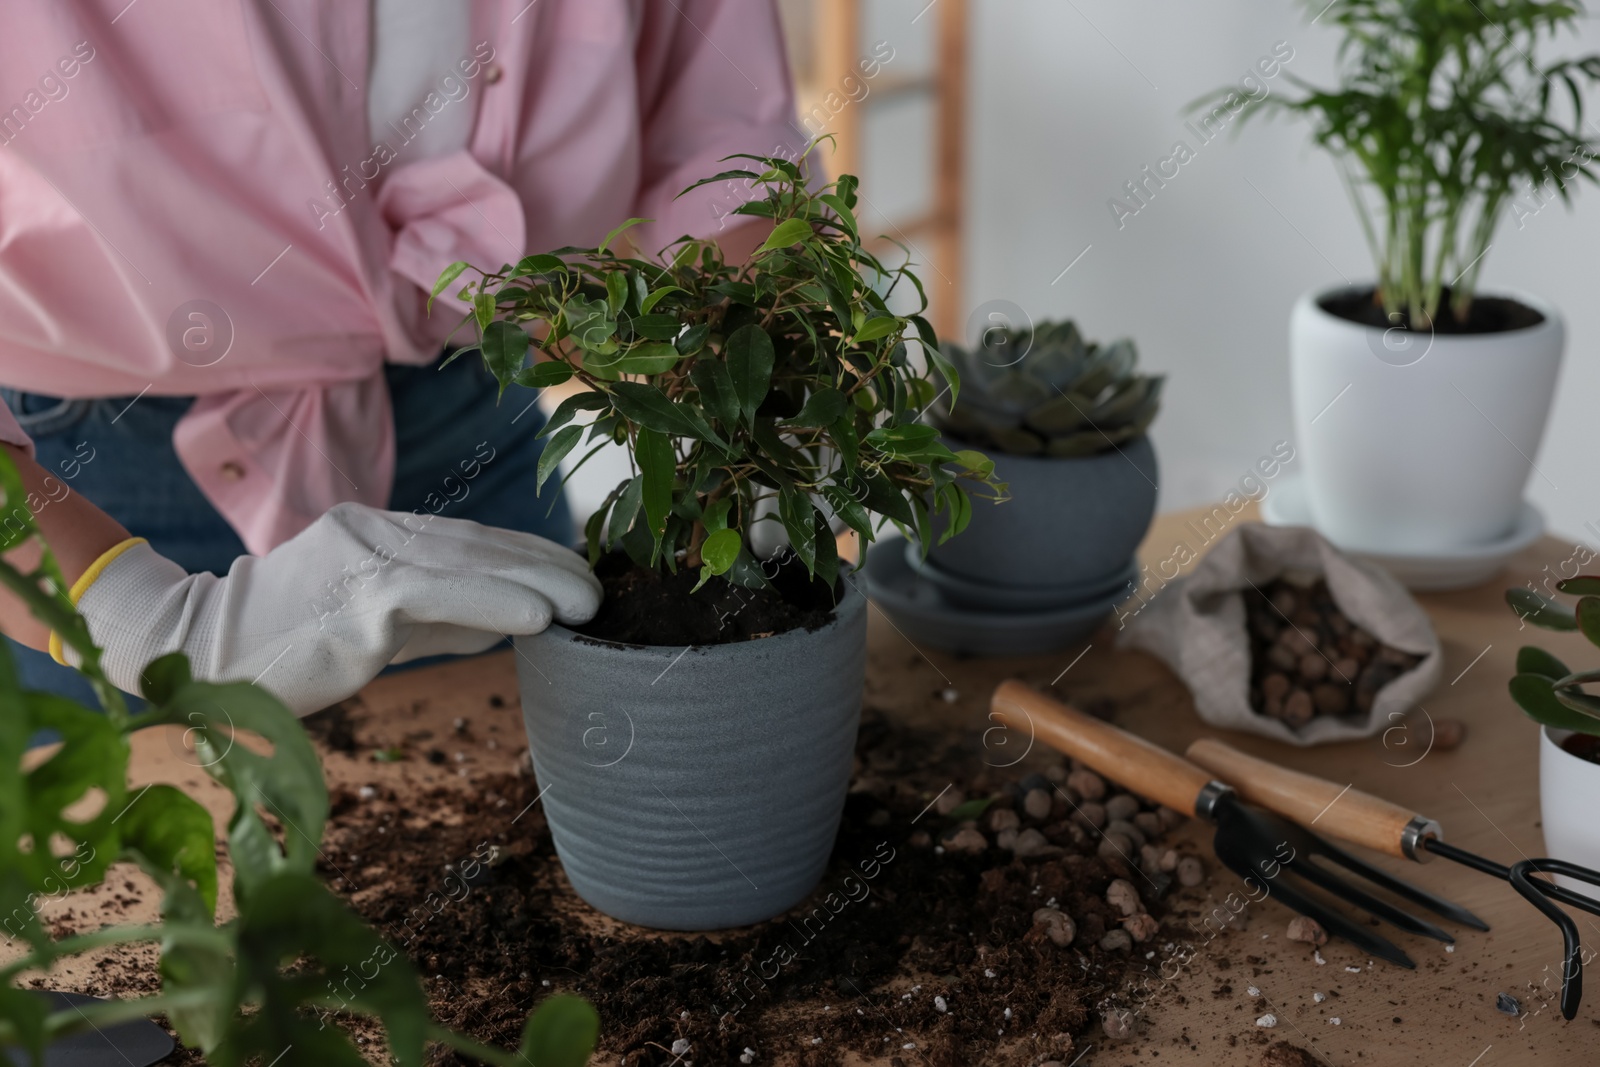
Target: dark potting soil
{"x":1584,"y":746}
{"x":918,"y":946}
{"x":647,"y":607}
{"x":1488,"y":314}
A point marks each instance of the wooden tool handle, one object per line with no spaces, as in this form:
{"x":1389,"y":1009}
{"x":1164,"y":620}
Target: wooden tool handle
{"x":1147,"y":769}
{"x":1339,"y":811}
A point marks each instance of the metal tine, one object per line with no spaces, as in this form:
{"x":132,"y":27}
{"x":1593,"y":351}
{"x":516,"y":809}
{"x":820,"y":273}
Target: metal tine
{"x":1560,"y":893}
{"x":1398,"y":886}
{"x":1572,"y":958}
{"x":1354,"y":894}
{"x":1333,"y":921}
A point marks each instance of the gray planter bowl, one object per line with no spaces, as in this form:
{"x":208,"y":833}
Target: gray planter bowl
{"x":1069,"y":522}
{"x":700,"y":788}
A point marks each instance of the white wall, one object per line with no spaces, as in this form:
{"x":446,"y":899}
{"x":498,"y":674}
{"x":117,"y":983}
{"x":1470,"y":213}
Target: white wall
{"x":1072,"y":97}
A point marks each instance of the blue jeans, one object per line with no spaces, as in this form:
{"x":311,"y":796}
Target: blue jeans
{"x":118,"y":453}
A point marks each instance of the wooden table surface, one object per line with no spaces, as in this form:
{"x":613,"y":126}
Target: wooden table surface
{"x":1485,"y":793}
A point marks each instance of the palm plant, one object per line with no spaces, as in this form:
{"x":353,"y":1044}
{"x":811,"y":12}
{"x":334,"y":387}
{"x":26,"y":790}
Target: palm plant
{"x":1441,"y":116}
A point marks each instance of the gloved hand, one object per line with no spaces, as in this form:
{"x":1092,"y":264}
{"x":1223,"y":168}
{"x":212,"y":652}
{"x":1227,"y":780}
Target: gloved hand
{"x":319,"y":616}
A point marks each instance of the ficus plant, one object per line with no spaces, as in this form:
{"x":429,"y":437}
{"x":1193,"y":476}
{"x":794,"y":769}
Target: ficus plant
{"x":1441,"y":116}
{"x":1544,"y":687}
{"x":245,"y":990}
{"x":781,"y":390}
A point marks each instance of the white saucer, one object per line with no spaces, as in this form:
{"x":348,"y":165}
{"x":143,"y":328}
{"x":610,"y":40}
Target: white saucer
{"x":1458,"y":568}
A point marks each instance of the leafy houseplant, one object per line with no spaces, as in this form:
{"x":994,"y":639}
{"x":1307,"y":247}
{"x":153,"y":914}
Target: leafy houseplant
{"x":1553,"y":696}
{"x":250,"y":988}
{"x":785,"y":380}
{"x":1068,"y":419}
{"x":696,"y":775}
{"x":1441,"y":117}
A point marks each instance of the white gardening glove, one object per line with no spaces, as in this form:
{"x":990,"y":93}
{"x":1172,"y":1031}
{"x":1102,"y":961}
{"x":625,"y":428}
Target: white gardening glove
{"x":319,"y":616}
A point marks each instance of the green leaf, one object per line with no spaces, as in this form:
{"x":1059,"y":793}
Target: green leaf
{"x":693,"y":339}
{"x":541,"y":264}
{"x":545,"y":375}
{"x":648,"y":303}
{"x":589,"y":323}
{"x":568,"y":409}
{"x":483,"y":307}
{"x":1582,"y":585}
{"x":910,"y":440}
{"x":1535,"y":695}
{"x":1531,"y":660}
{"x":795,"y":510}
{"x":649,"y":407}
{"x":446,"y":276}
{"x":287,"y":784}
{"x":976,"y":462}
{"x":873,"y":329}
{"x":717,"y":395}
{"x":561,"y":1033}
{"x":172,"y":833}
{"x":505,"y":350}
{"x":720,"y":549}
{"x":1540,"y":610}
{"x":616,"y":291}
{"x":1588,"y":617}
{"x":970,"y":809}
{"x":612,"y":236}
{"x":657,"y":469}
{"x":786,"y":233}
{"x":750,"y":358}
{"x":821,"y":408}
{"x":555,"y":450}
{"x":293,"y":919}
{"x":849,"y":509}
{"x":626,"y":508}
{"x":656,"y":327}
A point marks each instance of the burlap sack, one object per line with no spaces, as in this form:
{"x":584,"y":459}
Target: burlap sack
{"x":1197,"y":625}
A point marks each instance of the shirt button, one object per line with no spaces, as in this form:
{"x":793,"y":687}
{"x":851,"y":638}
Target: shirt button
{"x":493,"y":73}
{"x":231,"y":471}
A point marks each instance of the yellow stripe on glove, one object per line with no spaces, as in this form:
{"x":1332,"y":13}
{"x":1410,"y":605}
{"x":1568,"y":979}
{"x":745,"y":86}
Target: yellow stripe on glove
{"x":81,"y":586}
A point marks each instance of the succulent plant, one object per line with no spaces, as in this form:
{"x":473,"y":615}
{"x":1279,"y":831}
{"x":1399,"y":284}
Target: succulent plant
{"x":1046,"y":391}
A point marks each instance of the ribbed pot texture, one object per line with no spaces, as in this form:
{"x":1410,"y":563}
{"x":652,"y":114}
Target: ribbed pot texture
{"x":1068,"y":522}
{"x":699,"y":788}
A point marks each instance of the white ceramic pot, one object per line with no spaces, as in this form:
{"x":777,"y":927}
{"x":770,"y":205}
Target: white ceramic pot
{"x":1417,"y":442}
{"x":1569,"y":796}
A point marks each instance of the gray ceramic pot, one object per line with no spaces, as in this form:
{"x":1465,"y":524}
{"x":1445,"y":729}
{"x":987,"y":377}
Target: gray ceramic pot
{"x":1069,"y":522}
{"x":700,"y":788}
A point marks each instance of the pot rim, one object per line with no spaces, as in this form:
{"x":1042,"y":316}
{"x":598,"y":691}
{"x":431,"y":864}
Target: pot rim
{"x":1016,"y":457}
{"x":1310,"y":302}
{"x":851,"y":603}
{"x":1552,"y":737}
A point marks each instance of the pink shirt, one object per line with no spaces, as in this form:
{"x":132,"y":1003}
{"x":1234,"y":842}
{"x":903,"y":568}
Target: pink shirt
{"x":191,"y":203}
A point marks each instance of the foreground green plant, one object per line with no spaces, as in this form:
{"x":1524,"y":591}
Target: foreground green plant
{"x":1440,"y":117}
{"x":1046,"y":391}
{"x":1550,"y":693}
{"x":783,"y":390}
{"x":250,"y":989}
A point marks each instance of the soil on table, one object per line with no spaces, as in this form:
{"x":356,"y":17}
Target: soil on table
{"x":1584,"y":746}
{"x":647,"y":607}
{"x":924,"y":924}
{"x":1488,"y":314}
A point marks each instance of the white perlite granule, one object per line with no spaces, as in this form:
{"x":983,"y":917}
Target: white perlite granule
{"x":1267,"y":1021}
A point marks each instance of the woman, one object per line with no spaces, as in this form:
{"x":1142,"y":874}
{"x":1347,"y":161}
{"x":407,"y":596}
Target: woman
{"x":220,"y":221}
